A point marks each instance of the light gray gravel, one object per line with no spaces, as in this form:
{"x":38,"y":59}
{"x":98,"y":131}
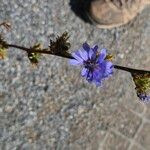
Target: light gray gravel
{"x":52,"y":107}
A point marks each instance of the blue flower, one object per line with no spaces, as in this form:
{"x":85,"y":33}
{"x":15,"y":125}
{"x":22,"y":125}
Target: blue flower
{"x":95,"y":65}
{"x":144,"y":97}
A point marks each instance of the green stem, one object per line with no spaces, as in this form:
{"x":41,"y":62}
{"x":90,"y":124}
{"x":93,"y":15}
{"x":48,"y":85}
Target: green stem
{"x":131,"y":70}
{"x":18,"y":47}
{"x":42,"y":51}
{"x":47,"y":51}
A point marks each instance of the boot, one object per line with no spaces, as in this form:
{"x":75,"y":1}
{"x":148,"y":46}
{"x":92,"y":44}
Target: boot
{"x":114,"y":13}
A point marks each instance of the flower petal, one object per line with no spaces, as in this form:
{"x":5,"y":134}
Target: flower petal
{"x":93,"y":52}
{"x":102,"y":55}
{"x":90,"y":53}
{"x":84,"y":72}
{"x":95,"y":48}
{"x":86,"y":46}
{"x":83,"y":54}
{"x":89,"y":76}
{"x":107,"y":68}
{"x":77,"y":57}
{"x":74,"y":62}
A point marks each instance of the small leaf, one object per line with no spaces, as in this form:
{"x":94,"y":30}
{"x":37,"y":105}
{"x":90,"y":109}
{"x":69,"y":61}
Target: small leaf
{"x":3,"y":48}
{"x":3,"y":53}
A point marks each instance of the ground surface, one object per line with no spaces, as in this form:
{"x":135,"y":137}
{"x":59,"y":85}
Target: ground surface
{"x":52,"y":107}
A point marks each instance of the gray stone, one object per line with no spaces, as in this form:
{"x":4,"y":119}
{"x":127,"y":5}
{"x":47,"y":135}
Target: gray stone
{"x":51,"y":106}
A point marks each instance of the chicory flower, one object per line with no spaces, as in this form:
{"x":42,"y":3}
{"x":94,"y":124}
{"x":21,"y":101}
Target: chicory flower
{"x":95,"y":65}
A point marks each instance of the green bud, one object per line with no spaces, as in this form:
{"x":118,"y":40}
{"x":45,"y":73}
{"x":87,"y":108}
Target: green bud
{"x":34,"y":57}
{"x":142,"y":83}
{"x":61,"y":45}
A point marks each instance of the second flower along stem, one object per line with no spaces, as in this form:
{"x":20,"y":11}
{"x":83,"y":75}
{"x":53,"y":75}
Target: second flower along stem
{"x":96,"y":65}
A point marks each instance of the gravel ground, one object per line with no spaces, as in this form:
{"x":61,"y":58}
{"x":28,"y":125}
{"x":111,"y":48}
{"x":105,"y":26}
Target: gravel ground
{"x":51,"y":106}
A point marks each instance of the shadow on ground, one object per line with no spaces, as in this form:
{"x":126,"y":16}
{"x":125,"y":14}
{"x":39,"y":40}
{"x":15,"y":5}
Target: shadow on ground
{"x":80,"y":8}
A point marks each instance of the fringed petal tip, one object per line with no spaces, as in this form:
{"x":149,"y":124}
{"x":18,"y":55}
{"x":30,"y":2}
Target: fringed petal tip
{"x":86,"y":46}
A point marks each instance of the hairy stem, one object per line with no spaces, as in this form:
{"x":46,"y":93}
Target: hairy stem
{"x":47,"y":51}
{"x":42,"y":51}
{"x":131,"y":70}
{"x":18,"y":47}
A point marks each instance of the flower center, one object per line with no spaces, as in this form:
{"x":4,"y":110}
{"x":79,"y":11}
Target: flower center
{"x":90,"y":64}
